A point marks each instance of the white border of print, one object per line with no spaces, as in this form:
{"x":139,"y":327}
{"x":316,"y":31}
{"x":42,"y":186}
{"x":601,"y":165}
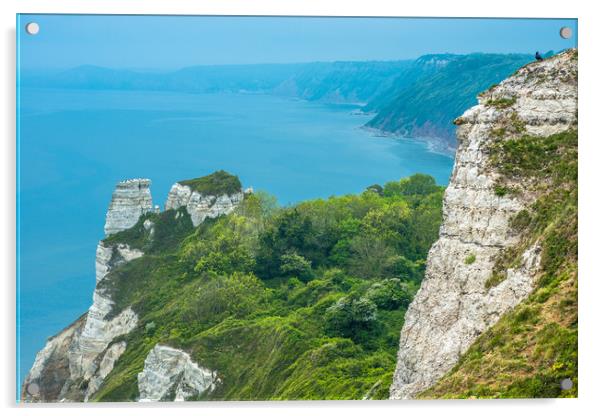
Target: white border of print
{"x":589,"y":173}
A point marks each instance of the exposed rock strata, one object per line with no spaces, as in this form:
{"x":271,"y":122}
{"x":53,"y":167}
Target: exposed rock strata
{"x":131,"y":199}
{"x":77,"y":359}
{"x":170,"y":375}
{"x":46,"y":379}
{"x":73,"y":364}
{"x":105,"y":367}
{"x":98,"y":332}
{"x":201,"y":206}
{"x":454,"y":306}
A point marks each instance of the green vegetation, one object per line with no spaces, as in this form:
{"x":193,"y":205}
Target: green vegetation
{"x":218,"y":183}
{"x":501,"y":102}
{"x":495,"y":279}
{"x":500,"y":190}
{"x":471,"y":258}
{"x":302,"y":302}
{"x":168,"y":228}
{"x":428,"y":105}
{"x":532,"y":348}
{"x":518,"y":125}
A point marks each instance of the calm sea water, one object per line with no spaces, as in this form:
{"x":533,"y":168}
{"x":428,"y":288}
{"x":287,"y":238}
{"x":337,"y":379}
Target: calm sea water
{"x":76,"y":145}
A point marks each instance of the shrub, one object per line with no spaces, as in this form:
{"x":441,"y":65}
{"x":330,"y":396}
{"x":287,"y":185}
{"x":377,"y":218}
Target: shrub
{"x":350,"y":316}
{"x":292,"y":264}
{"x":376,"y":188}
{"x":236,"y":295}
{"x":391,"y":294}
{"x":417,"y":184}
{"x":500,"y":190}
{"x":150,"y":328}
{"x":521,"y":220}
{"x":406,"y":269}
{"x":225,"y":247}
{"x":371,"y":256}
{"x":470,"y":258}
{"x":495,"y":279}
{"x":501,"y":102}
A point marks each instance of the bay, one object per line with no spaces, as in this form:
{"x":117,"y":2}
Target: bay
{"x":75,"y":145}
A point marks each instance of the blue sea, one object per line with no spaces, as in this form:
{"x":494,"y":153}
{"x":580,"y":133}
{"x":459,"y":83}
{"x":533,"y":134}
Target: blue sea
{"x":76,"y":145}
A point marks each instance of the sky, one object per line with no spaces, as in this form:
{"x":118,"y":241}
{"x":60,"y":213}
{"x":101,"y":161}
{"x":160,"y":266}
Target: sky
{"x":171,"y":42}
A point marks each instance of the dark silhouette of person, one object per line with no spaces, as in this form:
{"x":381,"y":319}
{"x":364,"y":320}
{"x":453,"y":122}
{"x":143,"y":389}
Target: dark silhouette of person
{"x":538,"y":56}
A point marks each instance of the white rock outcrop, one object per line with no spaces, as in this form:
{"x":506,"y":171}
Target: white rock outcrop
{"x":98,"y":331}
{"x":48,"y":376}
{"x":170,"y":375}
{"x":82,"y":354}
{"x":453,"y":306}
{"x":131,"y":199}
{"x":105,"y":367}
{"x":201,"y":206}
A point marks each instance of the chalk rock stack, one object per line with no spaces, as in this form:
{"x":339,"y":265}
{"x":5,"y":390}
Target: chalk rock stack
{"x":131,"y":199}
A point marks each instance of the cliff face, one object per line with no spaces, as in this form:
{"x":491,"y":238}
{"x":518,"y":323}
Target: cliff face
{"x":74,"y":363}
{"x":131,"y":199}
{"x":464,"y":292}
{"x":200,"y":206}
{"x":80,"y":357}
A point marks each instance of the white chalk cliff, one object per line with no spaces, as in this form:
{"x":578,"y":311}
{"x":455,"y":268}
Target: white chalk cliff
{"x":131,"y":199}
{"x":170,"y":375}
{"x":454,"y":306}
{"x":74,"y":363}
{"x":201,"y":206}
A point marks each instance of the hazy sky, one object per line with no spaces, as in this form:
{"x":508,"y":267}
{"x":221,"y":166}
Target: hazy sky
{"x":166,"y":42}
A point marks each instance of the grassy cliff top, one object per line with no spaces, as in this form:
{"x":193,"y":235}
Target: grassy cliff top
{"x":218,"y":183}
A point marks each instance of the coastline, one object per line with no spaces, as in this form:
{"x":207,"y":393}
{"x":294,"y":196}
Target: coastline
{"x":434,"y":144}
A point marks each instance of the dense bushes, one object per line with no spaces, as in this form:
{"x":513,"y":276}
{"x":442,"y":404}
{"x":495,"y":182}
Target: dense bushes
{"x":367,"y":235}
{"x":255,"y":293}
{"x":236,"y":295}
{"x":392,"y":293}
{"x":351,"y":317}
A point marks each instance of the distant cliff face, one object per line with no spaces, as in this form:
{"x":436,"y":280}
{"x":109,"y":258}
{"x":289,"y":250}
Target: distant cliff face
{"x":74,"y":363}
{"x":411,"y":98}
{"x":463,"y":292}
{"x":446,"y":86}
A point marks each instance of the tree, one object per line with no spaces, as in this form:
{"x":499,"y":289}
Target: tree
{"x":351,"y":317}
{"x":292,"y":264}
{"x":418,"y":184}
{"x":391,"y":294}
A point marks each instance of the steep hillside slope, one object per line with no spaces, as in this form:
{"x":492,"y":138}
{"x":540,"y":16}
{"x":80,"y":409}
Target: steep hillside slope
{"x":224,"y":296}
{"x":508,"y":238}
{"x":426,"y":107}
